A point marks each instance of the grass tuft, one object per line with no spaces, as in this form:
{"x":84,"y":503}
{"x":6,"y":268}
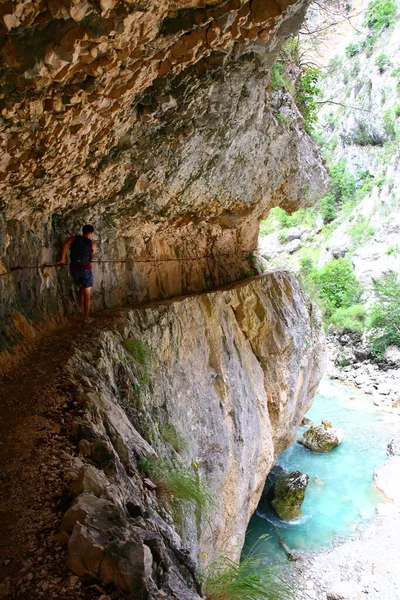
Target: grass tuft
{"x":177,"y":483}
{"x":141,"y":353}
{"x":225,"y":579}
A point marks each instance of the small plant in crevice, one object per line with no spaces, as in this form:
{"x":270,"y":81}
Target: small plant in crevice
{"x":382,"y":62}
{"x":250,"y":579}
{"x":177,"y":483}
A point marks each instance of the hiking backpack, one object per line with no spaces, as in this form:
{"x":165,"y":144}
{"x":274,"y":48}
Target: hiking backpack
{"x":81,"y":251}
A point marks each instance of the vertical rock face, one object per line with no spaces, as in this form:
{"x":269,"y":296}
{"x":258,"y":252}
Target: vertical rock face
{"x":157,"y":123}
{"x":232,"y":371}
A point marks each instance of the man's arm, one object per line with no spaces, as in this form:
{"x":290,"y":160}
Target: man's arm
{"x":94,"y":246}
{"x":64,"y":250}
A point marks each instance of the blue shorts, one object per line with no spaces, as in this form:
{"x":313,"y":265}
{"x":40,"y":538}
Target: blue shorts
{"x":82,"y":277}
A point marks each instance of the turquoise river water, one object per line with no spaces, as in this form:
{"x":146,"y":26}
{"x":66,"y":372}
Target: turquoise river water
{"x":340,"y":497}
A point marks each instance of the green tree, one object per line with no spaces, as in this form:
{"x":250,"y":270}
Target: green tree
{"x":335,"y":285}
{"x":384,"y":316}
{"x":307,"y":92}
{"x":380,"y":14}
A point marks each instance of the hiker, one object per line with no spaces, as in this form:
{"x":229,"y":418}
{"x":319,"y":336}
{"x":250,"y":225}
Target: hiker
{"x":81,"y":251}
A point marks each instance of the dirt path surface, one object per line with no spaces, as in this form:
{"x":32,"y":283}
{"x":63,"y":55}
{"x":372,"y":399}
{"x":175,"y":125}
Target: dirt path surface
{"x":37,"y":409}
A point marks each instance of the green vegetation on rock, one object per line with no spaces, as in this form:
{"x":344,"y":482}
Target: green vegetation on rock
{"x":141,"y":353}
{"x":384,"y":315}
{"x":250,"y":579}
{"x":333,"y":286}
{"x":380,"y":14}
{"x":176,"y":482}
{"x":349,"y":319}
{"x":288,"y":495}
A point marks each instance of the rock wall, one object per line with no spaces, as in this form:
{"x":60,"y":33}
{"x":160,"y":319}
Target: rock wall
{"x":157,"y":123}
{"x":234,"y":372}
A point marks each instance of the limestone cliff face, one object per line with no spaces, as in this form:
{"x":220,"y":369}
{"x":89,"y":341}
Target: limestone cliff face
{"x":234,"y":371}
{"x":156,"y":122}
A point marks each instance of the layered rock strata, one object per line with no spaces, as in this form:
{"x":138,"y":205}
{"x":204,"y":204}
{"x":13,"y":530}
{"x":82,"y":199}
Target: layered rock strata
{"x":157,"y":123}
{"x":233,"y":372}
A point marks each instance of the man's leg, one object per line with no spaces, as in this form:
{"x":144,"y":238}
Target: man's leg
{"x":81,"y":298}
{"x":86,"y":302}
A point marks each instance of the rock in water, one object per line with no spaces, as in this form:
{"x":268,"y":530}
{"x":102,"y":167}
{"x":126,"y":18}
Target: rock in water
{"x":288,"y":494}
{"x":321,"y":438}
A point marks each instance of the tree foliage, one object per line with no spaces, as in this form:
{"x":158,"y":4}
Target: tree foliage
{"x":380,"y":14}
{"x":384,"y":316}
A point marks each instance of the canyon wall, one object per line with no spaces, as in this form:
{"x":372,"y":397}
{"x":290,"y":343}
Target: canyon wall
{"x":157,"y":123}
{"x":233,"y":372}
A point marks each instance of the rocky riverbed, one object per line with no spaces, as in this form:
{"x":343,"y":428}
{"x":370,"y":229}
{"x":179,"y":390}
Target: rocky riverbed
{"x":351,"y":363}
{"x":365,"y":566}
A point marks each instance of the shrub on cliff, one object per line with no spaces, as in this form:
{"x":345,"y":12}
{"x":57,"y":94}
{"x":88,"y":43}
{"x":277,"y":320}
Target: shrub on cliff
{"x":380,"y":14}
{"x":384,"y":316}
{"x":343,"y":187}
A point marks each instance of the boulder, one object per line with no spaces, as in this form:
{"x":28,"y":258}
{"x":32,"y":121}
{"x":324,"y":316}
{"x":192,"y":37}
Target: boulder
{"x":321,"y":438}
{"x":306,"y":421}
{"x":386,"y":477}
{"x":345,"y":590}
{"x":294,"y":233}
{"x":392,"y":354}
{"x":293,"y":246}
{"x":288,"y":494}
{"x":90,"y":480}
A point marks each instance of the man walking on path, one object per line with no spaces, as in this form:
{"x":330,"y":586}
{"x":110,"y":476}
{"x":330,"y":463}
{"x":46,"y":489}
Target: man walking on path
{"x":81,"y":251}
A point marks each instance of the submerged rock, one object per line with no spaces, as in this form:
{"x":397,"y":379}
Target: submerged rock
{"x":321,"y":438}
{"x":288,"y":495}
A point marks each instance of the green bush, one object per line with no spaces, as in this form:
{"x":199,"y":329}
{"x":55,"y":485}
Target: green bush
{"x":307,"y":91}
{"x":306,"y":266}
{"x":343,"y":187}
{"x":250,"y":579}
{"x":389,"y":121}
{"x":277,"y":76}
{"x":335,"y":286}
{"x":380,"y":14}
{"x":382,"y":62}
{"x":361,"y":232}
{"x":352,"y":49}
{"x":282,"y":237}
{"x":384,"y":315}
{"x":349,"y":319}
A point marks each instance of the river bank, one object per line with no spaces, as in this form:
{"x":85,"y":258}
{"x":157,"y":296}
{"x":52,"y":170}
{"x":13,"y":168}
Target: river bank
{"x":361,"y":567}
{"x":354,"y":569}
